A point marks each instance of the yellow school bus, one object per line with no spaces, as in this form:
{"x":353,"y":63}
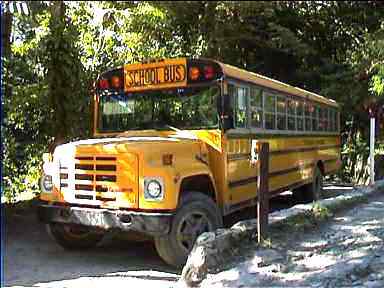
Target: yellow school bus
{"x":172,"y":153}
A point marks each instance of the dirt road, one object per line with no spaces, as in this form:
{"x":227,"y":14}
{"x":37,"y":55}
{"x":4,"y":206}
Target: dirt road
{"x":32,"y":259}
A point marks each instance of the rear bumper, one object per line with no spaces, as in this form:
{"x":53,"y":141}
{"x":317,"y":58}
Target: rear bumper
{"x":154,"y":224}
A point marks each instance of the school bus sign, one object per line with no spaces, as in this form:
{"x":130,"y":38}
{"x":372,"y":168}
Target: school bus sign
{"x":164,"y":74}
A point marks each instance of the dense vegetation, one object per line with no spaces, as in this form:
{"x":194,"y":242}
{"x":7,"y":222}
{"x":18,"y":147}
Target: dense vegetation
{"x":52,"y":51}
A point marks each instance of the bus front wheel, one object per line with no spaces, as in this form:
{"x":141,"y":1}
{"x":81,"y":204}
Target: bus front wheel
{"x":73,"y":237}
{"x":312,"y":191}
{"x":197,"y":214}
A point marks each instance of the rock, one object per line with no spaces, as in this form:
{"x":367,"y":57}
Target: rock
{"x":357,"y":283}
{"x":195,"y":270}
{"x":276,"y":268}
{"x":265,"y":257}
{"x":299,"y":255}
{"x":223,"y":240}
{"x":374,"y":284}
{"x":362,"y":269}
{"x":301,"y":268}
{"x":378,"y":263}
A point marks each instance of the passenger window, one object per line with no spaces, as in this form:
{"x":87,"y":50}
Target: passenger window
{"x":241,"y":107}
{"x":281,"y":113}
{"x":309,"y":109}
{"x":270,"y":111}
{"x":337,"y":121}
{"x":334,"y":119}
{"x":328,"y":119}
{"x":300,"y":115}
{"x":256,"y":107}
{"x":292,"y":114}
{"x":315,"y":119}
{"x":321,"y":119}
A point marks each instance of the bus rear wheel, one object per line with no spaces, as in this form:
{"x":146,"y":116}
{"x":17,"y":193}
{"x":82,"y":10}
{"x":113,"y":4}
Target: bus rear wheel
{"x":74,"y":237}
{"x":312,"y":191}
{"x":196,"y":215}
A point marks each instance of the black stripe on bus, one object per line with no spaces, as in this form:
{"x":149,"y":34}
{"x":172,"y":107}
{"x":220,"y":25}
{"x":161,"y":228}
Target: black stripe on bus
{"x":252,"y":202}
{"x":238,"y":156}
{"x":283,"y":134}
{"x":249,"y":180}
{"x":246,"y":156}
{"x":304,"y":149}
{"x":290,"y":170}
{"x":242,"y":182}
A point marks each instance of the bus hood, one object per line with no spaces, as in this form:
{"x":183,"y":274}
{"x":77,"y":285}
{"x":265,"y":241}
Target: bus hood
{"x":115,"y":145}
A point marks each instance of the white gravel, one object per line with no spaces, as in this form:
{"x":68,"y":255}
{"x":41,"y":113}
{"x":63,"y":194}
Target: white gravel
{"x":344,"y":252}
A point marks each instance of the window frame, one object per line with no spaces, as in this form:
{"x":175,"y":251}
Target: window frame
{"x":258,"y":109}
{"x":265,"y":91}
{"x":238,"y":85}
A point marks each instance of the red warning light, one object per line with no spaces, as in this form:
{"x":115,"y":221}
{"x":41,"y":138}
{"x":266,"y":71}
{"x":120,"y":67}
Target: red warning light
{"x":209,"y":72}
{"x":103,"y":84}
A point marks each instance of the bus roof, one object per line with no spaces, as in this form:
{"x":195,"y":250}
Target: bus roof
{"x":228,"y":71}
{"x":241,"y":74}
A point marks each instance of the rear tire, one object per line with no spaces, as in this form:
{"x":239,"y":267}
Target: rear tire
{"x":197,"y":214}
{"x":312,"y":191}
{"x":73,"y":237}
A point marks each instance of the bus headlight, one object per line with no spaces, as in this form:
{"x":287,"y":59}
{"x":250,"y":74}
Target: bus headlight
{"x":153,"y":189}
{"x":46,"y":184}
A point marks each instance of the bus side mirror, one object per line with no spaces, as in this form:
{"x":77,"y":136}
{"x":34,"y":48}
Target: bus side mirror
{"x":225,"y":111}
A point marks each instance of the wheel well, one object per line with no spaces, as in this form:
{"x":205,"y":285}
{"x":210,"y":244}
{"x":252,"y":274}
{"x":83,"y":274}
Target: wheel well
{"x":320,"y":164}
{"x":198,"y":183}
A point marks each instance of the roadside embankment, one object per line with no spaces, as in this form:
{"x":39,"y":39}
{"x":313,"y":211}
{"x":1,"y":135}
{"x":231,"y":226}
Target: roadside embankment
{"x":214,"y":250}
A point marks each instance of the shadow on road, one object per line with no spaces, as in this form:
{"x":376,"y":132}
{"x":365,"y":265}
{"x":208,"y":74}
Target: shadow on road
{"x":32,"y":257}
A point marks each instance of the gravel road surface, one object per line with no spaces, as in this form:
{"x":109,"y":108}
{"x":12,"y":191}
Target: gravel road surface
{"x":33,"y":259}
{"x":346,"y":251}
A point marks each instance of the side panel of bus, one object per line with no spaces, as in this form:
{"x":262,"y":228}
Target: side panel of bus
{"x":293,"y":154}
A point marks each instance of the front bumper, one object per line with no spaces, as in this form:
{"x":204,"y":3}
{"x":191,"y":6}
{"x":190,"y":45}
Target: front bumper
{"x":154,"y":224}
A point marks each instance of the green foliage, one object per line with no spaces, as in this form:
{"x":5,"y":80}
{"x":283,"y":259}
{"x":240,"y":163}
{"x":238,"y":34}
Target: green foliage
{"x":58,"y":49}
{"x":320,"y":212}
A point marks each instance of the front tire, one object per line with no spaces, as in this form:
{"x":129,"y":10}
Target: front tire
{"x":312,"y":191}
{"x":74,"y":237}
{"x":197,"y":214}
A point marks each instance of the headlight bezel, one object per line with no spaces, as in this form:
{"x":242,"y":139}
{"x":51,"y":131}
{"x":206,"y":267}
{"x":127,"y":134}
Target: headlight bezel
{"x":150,"y":182}
{"x":44,"y":179}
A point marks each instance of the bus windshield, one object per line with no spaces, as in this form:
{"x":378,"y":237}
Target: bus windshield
{"x":182,"y":108}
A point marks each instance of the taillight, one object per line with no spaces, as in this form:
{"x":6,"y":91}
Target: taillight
{"x":194,"y":73}
{"x":103,"y":84}
{"x":209,"y":72}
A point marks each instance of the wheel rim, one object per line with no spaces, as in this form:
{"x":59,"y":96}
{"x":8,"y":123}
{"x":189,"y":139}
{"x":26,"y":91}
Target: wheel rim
{"x":190,"y":227}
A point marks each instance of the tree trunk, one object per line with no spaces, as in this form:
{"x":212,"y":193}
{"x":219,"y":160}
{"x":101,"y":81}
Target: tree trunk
{"x":6,"y":29}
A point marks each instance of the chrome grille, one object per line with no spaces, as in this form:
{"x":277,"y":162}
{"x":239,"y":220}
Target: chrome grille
{"x":90,"y":179}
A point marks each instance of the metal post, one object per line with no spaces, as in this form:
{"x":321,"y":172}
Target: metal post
{"x":372,"y":151}
{"x":262,"y":191}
